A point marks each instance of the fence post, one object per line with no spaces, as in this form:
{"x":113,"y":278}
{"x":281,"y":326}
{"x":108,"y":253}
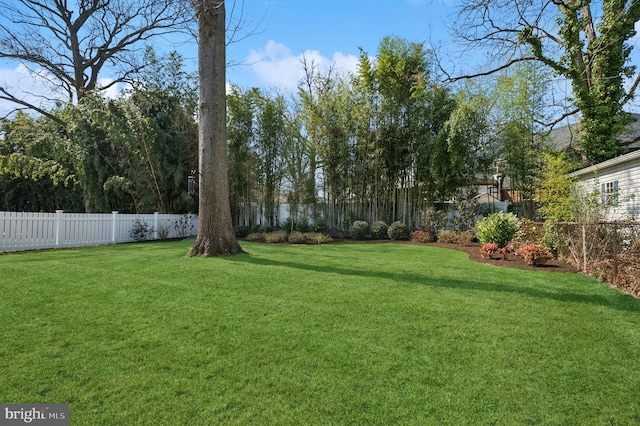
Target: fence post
{"x":615,"y":249}
{"x":156,"y":216}
{"x":584,"y":248}
{"x":114,"y":226}
{"x":58,"y":226}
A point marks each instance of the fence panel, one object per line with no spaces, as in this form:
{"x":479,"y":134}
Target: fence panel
{"x":27,"y":230}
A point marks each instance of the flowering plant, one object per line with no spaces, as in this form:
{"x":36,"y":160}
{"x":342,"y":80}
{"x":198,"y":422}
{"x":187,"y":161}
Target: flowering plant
{"x":489,"y":249}
{"x":533,"y":254}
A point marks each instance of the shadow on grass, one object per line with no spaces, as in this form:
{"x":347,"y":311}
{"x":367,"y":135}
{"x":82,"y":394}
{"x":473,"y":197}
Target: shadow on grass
{"x":621,"y":301}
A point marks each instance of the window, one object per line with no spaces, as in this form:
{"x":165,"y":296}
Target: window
{"x":609,"y":193}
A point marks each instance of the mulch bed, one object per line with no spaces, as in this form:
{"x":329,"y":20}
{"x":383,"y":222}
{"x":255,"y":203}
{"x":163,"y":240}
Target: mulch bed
{"x":473,"y":250}
{"x":511,"y":261}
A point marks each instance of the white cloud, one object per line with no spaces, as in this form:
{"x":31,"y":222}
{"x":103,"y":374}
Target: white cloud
{"x":276,"y":66}
{"x":35,"y":88}
{"x":31,"y":87}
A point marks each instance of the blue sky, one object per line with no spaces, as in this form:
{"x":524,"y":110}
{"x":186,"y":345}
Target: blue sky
{"x":328,"y":32}
{"x":282,"y":31}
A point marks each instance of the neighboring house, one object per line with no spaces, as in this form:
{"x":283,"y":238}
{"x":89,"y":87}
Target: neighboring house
{"x":494,"y":192}
{"x":618,"y":182}
{"x":566,"y":138}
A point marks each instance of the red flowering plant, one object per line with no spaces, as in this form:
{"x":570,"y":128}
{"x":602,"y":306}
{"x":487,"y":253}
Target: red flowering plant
{"x":492,"y":249}
{"x":533,"y":254}
{"x":489,"y":250}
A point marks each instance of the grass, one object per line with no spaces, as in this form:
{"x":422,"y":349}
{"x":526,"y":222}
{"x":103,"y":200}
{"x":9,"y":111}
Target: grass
{"x":332,"y":334}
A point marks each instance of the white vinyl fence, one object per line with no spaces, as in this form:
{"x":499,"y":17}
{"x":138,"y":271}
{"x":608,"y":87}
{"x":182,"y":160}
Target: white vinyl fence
{"x":27,"y":231}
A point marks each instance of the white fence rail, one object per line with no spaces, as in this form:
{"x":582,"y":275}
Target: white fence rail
{"x":27,"y":231}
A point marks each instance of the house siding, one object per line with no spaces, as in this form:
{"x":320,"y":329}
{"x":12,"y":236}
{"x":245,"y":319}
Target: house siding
{"x":623,"y":173}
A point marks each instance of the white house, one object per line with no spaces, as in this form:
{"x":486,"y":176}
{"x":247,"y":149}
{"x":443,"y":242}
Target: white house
{"x":618,"y":182}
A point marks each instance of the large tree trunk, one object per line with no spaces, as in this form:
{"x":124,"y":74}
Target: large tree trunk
{"x":215,"y":232}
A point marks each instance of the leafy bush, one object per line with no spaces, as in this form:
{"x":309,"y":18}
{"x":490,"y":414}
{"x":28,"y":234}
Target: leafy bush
{"x":241,"y":231}
{"x":421,"y":237}
{"x":489,"y":249}
{"x":183,"y":226}
{"x":302,"y":225}
{"x":296,"y":237}
{"x":318,"y":237}
{"x":455,"y":237}
{"x":320,"y":226}
{"x":360,"y":230}
{"x":140,"y":230}
{"x":379,"y":230}
{"x":163,"y":231}
{"x":492,"y":249}
{"x":499,"y":228}
{"x":397,"y":231}
{"x":533,"y":254}
{"x":275,"y":237}
{"x":255,"y":236}
{"x":552,"y":239}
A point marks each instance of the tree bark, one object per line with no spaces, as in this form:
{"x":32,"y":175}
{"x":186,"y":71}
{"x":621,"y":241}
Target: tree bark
{"x":215,"y":233}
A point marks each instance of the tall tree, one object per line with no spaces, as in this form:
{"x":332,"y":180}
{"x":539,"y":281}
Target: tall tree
{"x":587,"y":42}
{"x":215,"y":231}
{"x":72,"y":43}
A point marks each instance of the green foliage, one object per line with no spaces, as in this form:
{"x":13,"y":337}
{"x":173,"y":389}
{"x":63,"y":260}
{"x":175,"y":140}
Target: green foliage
{"x":498,"y":228}
{"x":140,"y":230}
{"x":557,"y":190}
{"x":379,"y":230}
{"x":240,"y":231}
{"x":360,"y":230}
{"x":397,"y":231}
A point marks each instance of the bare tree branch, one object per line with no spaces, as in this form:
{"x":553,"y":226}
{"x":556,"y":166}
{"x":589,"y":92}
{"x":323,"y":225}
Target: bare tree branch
{"x":75,"y":47}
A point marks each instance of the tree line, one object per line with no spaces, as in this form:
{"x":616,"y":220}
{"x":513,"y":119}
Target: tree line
{"x":131,"y":154}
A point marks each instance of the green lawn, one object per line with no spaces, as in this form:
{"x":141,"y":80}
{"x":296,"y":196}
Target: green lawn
{"x":332,"y":334}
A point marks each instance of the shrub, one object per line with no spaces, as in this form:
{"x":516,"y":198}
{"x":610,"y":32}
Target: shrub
{"x":275,"y":237}
{"x":318,"y":237}
{"x":499,"y":228}
{"x":303,"y":225}
{"x":255,"y":236}
{"x":552,"y":239}
{"x":455,"y":237}
{"x":296,"y":237}
{"x":163,"y":231}
{"x":379,"y":230}
{"x":140,"y":230}
{"x":320,"y":226}
{"x":420,"y":236}
{"x":360,"y":230}
{"x":533,"y":254}
{"x":183,"y":226}
{"x":241,"y":231}
{"x":397,"y":231}
{"x":489,"y":249}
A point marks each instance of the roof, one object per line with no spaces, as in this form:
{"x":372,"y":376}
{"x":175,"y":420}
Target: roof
{"x":634,"y":155}
{"x":565,"y":137}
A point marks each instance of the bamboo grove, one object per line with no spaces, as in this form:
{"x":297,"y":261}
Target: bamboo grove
{"x":389,"y":143}
{"x":385,"y":143}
